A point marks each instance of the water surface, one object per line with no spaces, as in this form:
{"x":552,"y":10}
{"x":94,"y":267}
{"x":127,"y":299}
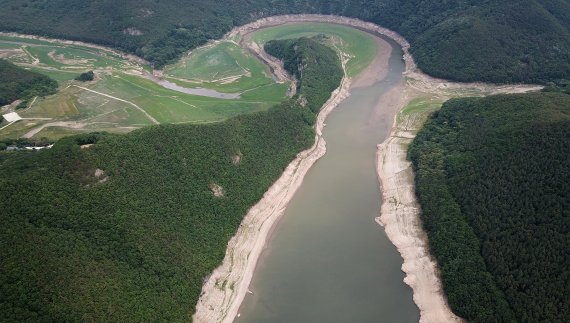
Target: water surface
{"x":197,"y":90}
{"x":327,"y":260}
{"x":194,"y":90}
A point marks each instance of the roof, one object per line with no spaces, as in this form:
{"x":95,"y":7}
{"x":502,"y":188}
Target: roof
{"x":12,"y":116}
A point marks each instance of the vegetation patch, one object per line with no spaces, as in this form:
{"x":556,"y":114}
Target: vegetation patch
{"x":358,"y":45}
{"x":305,"y":58}
{"x":86,"y":77}
{"x":18,"y":83}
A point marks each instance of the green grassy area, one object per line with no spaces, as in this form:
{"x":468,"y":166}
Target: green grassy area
{"x":115,"y":77}
{"x":17,"y":129}
{"x":76,"y":58}
{"x":5,"y":45}
{"x":210,"y":63}
{"x":358,"y":44}
{"x":415,"y":113}
{"x":56,"y":133}
{"x":223,"y":66}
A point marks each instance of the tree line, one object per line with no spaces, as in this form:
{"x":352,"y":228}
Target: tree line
{"x":19,"y":83}
{"x":478,"y":40}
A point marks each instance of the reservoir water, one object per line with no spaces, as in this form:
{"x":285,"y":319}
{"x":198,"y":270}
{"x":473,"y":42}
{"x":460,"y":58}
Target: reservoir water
{"x":327,"y":260}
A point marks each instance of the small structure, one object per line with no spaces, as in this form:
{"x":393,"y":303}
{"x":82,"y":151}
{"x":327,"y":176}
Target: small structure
{"x":12,"y":117}
{"x":39,"y":147}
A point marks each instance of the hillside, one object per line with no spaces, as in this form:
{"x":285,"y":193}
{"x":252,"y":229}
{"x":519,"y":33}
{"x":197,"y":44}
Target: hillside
{"x":490,"y":41}
{"x":304,"y":58}
{"x":492,"y":177}
{"x":128,"y":228}
{"x":18,"y":83}
{"x":464,"y":40}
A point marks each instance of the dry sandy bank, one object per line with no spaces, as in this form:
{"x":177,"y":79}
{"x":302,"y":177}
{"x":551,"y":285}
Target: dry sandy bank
{"x":400,"y":211}
{"x":399,"y":215}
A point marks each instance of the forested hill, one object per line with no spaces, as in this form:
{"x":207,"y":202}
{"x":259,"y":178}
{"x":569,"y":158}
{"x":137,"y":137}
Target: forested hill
{"x":18,"y":83}
{"x":126,"y":230}
{"x":304,"y":58}
{"x":466,"y":40}
{"x":493,"y":180}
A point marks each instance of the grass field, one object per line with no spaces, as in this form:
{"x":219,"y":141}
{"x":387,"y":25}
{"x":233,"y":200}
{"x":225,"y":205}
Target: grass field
{"x":120,"y":96}
{"x":358,"y":44}
{"x":119,"y":78}
{"x":415,"y":113}
{"x":223,"y":66}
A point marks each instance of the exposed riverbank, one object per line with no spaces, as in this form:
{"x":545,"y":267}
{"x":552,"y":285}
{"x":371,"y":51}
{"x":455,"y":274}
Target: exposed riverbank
{"x":225,"y":289}
{"x":400,"y":217}
{"x":400,"y":211}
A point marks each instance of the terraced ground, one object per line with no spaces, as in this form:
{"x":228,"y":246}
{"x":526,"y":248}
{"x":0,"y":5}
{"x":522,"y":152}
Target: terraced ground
{"x":123,"y":97}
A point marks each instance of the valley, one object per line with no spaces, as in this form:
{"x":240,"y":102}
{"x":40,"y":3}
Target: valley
{"x":275,"y":173}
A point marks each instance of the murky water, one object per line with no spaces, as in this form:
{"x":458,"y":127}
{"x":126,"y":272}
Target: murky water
{"x":194,"y":90}
{"x":197,"y":90}
{"x":327,"y":260}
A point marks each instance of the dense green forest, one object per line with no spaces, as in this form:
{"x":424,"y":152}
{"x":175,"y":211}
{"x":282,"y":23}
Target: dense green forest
{"x":127,"y":229}
{"x":492,"y":177}
{"x":18,"y":83}
{"x":304,"y":58}
{"x":560,"y":86}
{"x":466,"y":40}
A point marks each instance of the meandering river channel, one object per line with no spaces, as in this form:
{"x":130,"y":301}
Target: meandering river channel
{"x":327,"y":260}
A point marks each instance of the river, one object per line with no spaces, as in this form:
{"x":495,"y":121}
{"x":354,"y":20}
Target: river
{"x":327,"y":260}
